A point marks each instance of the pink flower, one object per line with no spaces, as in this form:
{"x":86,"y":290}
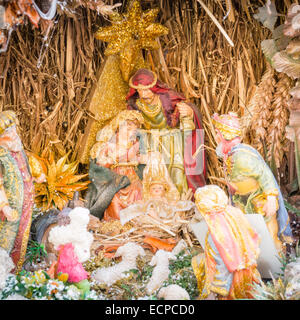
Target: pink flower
{"x":68,"y":263}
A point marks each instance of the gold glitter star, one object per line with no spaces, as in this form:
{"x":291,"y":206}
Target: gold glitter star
{"x":135,"y":28}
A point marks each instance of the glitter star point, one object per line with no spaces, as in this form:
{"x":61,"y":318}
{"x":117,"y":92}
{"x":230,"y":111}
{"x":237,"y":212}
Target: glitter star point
{"x":134,"y":26}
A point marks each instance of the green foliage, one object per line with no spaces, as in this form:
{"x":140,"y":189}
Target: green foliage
{"x":35,"y":252}
{"x":182,"y":274}
{"x":134,"y":284}
{"x":272,"y":290}
{"x":277,"y":289}
{"x":38,"y":286}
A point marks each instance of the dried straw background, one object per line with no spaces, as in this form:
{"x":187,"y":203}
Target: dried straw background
{"x":195,"y":58}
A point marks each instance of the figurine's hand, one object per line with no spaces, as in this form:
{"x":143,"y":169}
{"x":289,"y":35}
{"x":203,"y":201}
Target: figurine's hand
{"x":270,"y":207}
{"x":133,"y":152}
{"x":185,"y":110}
{"x":9,"y":213}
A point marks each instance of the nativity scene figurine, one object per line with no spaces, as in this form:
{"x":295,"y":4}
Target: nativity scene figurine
{"x":144,"y":222}
{"x":175,"y":128}
{"x":160,"y":198}
{"x":16,"y":191}
{"x":251,"y":183}
{"x":114,"y":167}
{"x":228,"y":267}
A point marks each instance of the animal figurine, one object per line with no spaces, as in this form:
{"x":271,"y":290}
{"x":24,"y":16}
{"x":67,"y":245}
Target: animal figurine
{"x":161,"y":271}
{"x":129,"y":253}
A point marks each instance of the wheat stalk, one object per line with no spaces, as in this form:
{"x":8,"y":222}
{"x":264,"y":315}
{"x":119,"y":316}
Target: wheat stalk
{"x":277,"y":142}
{"x":260,"y":109}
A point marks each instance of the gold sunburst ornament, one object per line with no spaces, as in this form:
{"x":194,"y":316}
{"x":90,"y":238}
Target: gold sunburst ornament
{"x":61,"y":181}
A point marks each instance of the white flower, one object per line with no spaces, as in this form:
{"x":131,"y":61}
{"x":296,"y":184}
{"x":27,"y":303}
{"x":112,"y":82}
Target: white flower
{"x":73,"y":293}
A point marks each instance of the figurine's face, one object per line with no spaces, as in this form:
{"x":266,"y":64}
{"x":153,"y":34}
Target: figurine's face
{"x":157,"y":190}
{"x":218,"y":137}
{"x":11,"y":140}
{"x":128,"y":129}
{"x":219,"y":148}
{"x":145,"y":94}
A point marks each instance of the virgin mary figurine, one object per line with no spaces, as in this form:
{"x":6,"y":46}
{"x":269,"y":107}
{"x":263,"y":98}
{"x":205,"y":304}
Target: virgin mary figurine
{"x":114,"y":167}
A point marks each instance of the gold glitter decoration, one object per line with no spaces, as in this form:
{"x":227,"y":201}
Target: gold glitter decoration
{"x":110,"y":97}
{"x":129,"y":33}
{"x":108,"y":100}
{"x":61,"y":182}
{"x":133,"y":25}
{"x":35,"y":166}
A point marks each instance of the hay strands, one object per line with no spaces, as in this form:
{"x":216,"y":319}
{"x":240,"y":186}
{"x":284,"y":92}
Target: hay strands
{"x":213,"y":18}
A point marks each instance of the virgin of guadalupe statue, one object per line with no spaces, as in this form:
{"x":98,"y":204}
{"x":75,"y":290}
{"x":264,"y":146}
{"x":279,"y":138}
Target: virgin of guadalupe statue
{"x":114,"y":167}
{"x":174,"y":126}
{"x":16,"y":191}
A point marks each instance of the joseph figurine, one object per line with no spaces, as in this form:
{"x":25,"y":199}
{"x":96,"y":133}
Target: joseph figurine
{"x":173,"y":128}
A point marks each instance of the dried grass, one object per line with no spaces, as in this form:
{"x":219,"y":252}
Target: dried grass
{"x":110,"y":233}
{"x":195,"y":58}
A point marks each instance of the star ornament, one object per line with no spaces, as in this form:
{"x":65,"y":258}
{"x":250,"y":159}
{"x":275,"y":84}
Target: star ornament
{"x":135,"y":26}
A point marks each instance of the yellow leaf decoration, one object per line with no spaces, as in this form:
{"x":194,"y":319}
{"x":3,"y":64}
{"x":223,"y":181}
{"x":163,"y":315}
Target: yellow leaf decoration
{"x":61,"y":181}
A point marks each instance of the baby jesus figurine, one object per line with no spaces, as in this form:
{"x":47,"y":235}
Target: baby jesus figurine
{"x":161,"y":199}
